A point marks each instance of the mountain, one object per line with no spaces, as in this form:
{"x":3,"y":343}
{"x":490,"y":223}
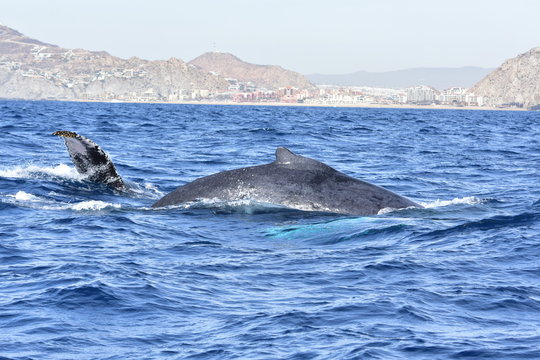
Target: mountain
{"x":31,"y":69}
{"x":263,"y":76}
{"x":439,"y":78}
{"x":516,"y":82}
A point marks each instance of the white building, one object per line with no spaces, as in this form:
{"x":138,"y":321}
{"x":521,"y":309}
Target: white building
{"x":453,"y":95}
{"x":421,"y":94}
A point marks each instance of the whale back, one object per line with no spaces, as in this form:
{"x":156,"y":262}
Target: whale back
{"x":90,"y":160}
{"x":293,"y":181}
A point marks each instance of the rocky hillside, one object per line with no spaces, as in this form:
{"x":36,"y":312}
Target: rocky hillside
{"x":439,"y":78}
{"x":263,"y":76}
{"x":515,"y":82}
{"x":30,"y":69}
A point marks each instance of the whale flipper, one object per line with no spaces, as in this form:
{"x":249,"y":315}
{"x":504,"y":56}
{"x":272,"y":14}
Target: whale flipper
{"x":90,"y":160}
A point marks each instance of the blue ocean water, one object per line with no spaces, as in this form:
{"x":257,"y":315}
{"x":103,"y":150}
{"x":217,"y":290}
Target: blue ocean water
{"x":90,"y":273}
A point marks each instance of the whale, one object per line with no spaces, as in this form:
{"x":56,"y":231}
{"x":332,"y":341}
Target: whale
{"x":291,"y":181}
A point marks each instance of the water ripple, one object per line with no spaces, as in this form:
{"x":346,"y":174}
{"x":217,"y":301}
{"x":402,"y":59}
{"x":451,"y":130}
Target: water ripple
{"x":91,"y":273}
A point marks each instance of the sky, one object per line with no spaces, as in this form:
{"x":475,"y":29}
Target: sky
{"x":308,"y":36}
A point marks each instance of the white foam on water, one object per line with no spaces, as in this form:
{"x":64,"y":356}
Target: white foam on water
{"x":145,"y":190}
{"x":24,"y":196}
{"x":94,"y":205}
{"x":386,"y":210}
{"x":469,"y":200}
{"x":152,"y":190}
{"x":88,"y":205}
{"x":25,"y":199}
{"x":36,"y":172}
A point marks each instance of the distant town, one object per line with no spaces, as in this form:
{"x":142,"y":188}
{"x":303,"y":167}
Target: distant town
{"x":330,"y":95}
{"x":341,"y":95}
{"x":239,"y":92}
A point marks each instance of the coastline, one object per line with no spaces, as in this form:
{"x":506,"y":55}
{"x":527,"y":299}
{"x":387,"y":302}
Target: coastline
{"x":374,"y":106}
{"x":281,"y":104}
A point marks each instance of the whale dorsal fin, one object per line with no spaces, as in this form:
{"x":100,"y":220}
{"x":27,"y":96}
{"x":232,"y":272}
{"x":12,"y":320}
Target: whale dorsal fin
{"x":286,"y":157}
{"x":90,"y":160}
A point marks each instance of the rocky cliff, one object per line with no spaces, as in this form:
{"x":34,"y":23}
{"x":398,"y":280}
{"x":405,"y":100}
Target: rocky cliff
{"x":516,"y":82}
{"x":263,"y":76}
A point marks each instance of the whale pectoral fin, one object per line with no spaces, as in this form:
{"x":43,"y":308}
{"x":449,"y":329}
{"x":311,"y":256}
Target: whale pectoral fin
{"x":90,"y":160}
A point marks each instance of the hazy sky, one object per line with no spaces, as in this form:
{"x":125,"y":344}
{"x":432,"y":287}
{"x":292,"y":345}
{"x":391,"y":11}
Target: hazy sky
{"x":309,"y":36}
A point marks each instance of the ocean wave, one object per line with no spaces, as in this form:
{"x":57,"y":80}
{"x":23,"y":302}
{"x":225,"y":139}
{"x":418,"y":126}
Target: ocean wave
{"x":22,"y":198}
{"x":145,"y":190}
{"x":94,"y":205}
{"x":388,"y":210}
{"x":38,"y":172}
{"x":93,"y":294}
{"x":368,"y":231}
{"x":490,"y":223}
{"x":469,"y":200}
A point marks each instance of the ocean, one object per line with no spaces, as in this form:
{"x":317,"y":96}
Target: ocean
{"x":87,"y":272}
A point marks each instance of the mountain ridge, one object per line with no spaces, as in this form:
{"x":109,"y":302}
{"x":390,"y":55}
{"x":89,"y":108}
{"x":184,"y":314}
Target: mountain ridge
{"x":32,"y":69}
{"x":437,"y":77}
{"x":263,"y":76}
